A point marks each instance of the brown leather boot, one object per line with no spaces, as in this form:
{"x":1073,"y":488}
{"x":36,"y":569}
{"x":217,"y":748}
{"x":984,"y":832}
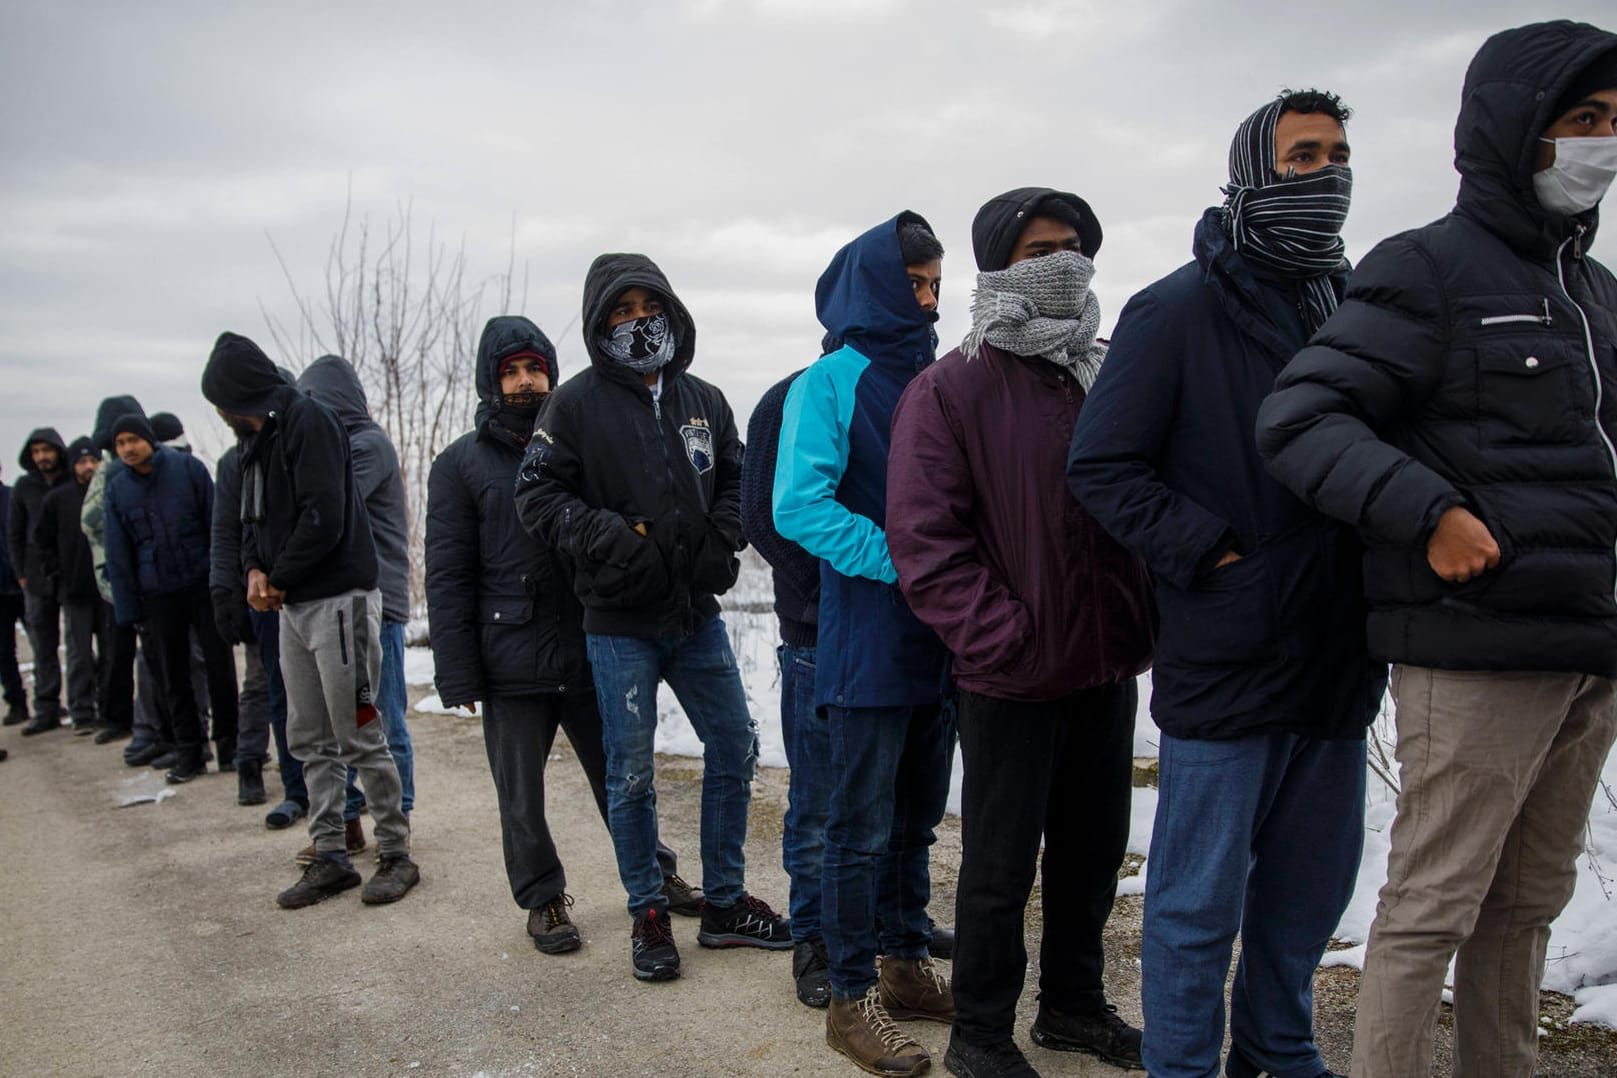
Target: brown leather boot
{"x":861,"y":1030}
{"x":353,"y":839}
{"x":913,"y":988}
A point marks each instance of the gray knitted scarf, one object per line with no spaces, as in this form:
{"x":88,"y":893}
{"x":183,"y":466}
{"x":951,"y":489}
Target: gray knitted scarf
{"x":1040,"y":307}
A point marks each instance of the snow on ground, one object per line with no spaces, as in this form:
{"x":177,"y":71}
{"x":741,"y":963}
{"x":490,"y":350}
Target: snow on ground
{"x":1583,"y":944}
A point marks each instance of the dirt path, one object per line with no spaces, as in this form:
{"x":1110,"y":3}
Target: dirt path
{"x":145,"y":940}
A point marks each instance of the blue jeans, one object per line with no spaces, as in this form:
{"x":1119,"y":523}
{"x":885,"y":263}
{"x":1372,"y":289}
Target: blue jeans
{"x":701,"y":669}
{"x":1260,"y":835}
{"x":808,"y":798}
{"x":267,"y":627}
{"x":891,"y":782}
{"x":391,"y":697}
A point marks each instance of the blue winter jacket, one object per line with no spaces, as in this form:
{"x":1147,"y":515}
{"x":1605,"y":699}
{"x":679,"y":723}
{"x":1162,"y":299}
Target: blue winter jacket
{"x":831,"y":478}
{"x":1165,"y":457}
{"x":159,"y":526}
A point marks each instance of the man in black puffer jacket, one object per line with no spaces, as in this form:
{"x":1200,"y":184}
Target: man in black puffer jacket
{"x":507,"y":630}
{"x":633,"y":474}
{"x":1460,"y":408}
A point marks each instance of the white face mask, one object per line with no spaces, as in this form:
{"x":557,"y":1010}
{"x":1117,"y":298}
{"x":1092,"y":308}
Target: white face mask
{"x":1584,"y":168}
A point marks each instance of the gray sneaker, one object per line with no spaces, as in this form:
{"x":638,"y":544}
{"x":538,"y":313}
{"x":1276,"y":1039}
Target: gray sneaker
{"x":392,"y":881}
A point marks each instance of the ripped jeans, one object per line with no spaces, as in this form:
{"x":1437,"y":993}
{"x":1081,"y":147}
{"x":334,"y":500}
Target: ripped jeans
{"x":701,"y":669}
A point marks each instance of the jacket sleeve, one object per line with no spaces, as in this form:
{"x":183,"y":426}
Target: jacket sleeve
{"x":1117,"y":447}
{"x":225,"y":574}
{"x":930,"y":503}
{"x":452,"y":583}
{"x":758,"y":498}
{"x":808,"y":470}
{"x":92,"y":517}
{"x":17,"y":535}
{"x":126,"y":605}
{"x":315,"y":447}
{"x":1377,"y":360}
{"x":552,"y":472}
{"x":715,"y":567}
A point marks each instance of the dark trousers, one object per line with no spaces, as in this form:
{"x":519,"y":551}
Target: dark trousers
{"x":89,"y":647}
{"x":267,"y":626}
{"x":45,"y":640}
{"x":170,"y":621}
{"x":118,"y":678}
{"x":1061,"y":770}
{"x":11,"y":612}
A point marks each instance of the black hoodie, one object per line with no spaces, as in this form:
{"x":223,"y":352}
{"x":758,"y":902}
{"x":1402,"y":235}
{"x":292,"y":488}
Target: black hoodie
{"x":303,"y":522}
{"x":64,"y":552}
{"x":503,"y":617}
{"x":1474,"y":362}
{"x":26,"y":498}
{"x":605,"y":457}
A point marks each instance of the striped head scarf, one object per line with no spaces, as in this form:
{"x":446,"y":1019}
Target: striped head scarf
{"x":1289,"y":224}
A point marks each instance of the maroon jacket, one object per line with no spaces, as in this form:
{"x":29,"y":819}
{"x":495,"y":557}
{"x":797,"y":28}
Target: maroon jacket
{"x":1031,"y":596}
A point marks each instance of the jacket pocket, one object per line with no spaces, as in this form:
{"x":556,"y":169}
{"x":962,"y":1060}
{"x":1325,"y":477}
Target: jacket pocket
{"x":504,"y":610}
{"x":1228,"y":616}
{"x":1528,"y":393}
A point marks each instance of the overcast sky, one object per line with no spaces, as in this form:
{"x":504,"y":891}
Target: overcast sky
{"x":152,"y":151}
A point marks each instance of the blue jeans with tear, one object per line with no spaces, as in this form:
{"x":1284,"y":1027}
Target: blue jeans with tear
{"x":701,"y":669}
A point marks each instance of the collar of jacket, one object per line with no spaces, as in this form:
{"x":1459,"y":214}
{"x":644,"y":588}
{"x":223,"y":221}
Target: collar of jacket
{"x":1245,"y":298}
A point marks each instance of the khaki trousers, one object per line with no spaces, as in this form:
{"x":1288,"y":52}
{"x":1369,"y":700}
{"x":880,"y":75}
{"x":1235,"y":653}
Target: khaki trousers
{"x":1497,"y":771}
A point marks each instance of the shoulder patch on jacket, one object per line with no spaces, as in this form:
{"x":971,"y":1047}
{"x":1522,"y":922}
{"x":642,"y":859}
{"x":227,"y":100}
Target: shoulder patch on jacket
{"x":698,"y":444}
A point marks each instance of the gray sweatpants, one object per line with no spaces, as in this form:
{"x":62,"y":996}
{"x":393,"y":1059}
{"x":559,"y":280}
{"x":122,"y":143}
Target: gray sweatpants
{"x":331,"y":662}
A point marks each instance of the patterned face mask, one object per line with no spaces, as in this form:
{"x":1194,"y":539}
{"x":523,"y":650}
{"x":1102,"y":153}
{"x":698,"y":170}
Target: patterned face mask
{"x":643,"y":345}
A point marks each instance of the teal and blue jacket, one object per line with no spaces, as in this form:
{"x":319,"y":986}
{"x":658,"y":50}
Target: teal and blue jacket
{"x":830,"y":493}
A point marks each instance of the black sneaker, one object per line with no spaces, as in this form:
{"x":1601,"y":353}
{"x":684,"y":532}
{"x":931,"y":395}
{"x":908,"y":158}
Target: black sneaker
{"x":393,"y":880}
{"x":184,"y":771}
{"x":552,"y":929}
{"x":16,"y":714}
{"x":811,"y":969}
{"x":83,"y":727}
{"x":652,"y":947}
{"x":683,"y":899}
{"x":942,"y":945}
{"x":165,"y":759}
{"x":250,"y":783}
{"x":749,"y":923}
{"x":1101,"y":1033}
{"x":44,"y":722}
{"x":141,"y":755}
{"x":109,"y":732}
{"x":987,"y":1061}
{"x":320,"y":881}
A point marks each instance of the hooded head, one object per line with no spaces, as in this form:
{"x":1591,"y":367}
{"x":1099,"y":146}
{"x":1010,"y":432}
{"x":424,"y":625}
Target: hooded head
{"x":865,"y":298}
{"x":1513,"y":92}
{"x":332,"y":381}
{"x":1002,"y":220}
{"x":167,"y":426}
{"x":241,"y":380}
{"x":611,"y":275}
{"x":106,"y":414}
{"x":48,"y":436}
{"x":506,"y":337}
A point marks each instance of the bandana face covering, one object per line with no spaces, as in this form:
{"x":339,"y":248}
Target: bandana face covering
{"x":1580,"y":176}
{"x":642,"y":345}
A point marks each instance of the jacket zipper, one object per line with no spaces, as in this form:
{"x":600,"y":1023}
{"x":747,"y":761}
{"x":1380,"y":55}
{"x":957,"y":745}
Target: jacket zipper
{"x":1506,"y":319}
{"x":1576,"y":239}
{"x":342,"y":636}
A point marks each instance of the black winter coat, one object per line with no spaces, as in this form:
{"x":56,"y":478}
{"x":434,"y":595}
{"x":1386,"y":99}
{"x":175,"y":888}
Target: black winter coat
{"x":64,"y":552}
{"x":605,"y":457}
{"x":795,"y":572}
{"x":1163,"y":457}
{"x":1474,"y":362}
{"x":8,"y":576}
{"x":158,"y":529}
{"x":501,"y":609}
{"x":27,"y":496}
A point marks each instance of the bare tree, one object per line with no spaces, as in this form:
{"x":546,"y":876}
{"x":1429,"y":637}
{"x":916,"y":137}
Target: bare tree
{"x":407,"y":313}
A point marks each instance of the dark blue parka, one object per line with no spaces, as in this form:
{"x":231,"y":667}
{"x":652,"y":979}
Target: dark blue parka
{"x":831,"y":478}
{"x":1474,"y":362}
{"x":503,"y":616}
{"x":1164,"y":457}
{"x":158,"y":529}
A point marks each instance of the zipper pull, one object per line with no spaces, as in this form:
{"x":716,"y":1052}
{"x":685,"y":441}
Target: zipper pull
{"x":657,"y":409}
{"x":1577,"y":242}
{"x":1546,"y":319}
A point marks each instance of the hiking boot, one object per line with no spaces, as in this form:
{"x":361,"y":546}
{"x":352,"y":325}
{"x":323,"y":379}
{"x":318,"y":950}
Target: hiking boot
{"x":1101,"y":1033}
{"x":862,"y":1030}
{"x":250,"y":783}
{"x":1001,"y":1060}
{"x":16,"y":714}
{"x":552,"y":930}
{"x":284,"y":814}
{"x":942,"y":945}
{"x":44,"y":722}
{"x":137,"y":754}
{"x":811,"y":969}
{"x":110,"y":732}
{"x":651,"y":947}
{"x":320,"y":881}
{"x":184,"y":771}
{"x":353,"y":842}
{"x":749,"y":923}
{"x":392,"y":881}
{"x":683,"y":899}
{"x":913,"y":988}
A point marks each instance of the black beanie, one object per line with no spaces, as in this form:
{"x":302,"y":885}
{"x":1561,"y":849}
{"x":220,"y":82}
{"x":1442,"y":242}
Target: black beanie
{"x":81,"y":447}
{"x":1601,"y":74}
{"x":240,"y":378}
{"x":136,"y":424}
{"x":995,"y":229}
{"x":166,"y":425}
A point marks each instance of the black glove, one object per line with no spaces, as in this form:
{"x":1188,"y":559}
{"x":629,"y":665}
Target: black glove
{"x":234,"y":619}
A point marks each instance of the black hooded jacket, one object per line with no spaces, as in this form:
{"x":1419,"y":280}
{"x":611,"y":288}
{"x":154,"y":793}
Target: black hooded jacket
{"x":1474,"y":362}
{"x":303,"y":522}
{"x":27,"y":496}
{"x":64,"y":552}
{"x":501,"y":609}
{"x":605,"y":457}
